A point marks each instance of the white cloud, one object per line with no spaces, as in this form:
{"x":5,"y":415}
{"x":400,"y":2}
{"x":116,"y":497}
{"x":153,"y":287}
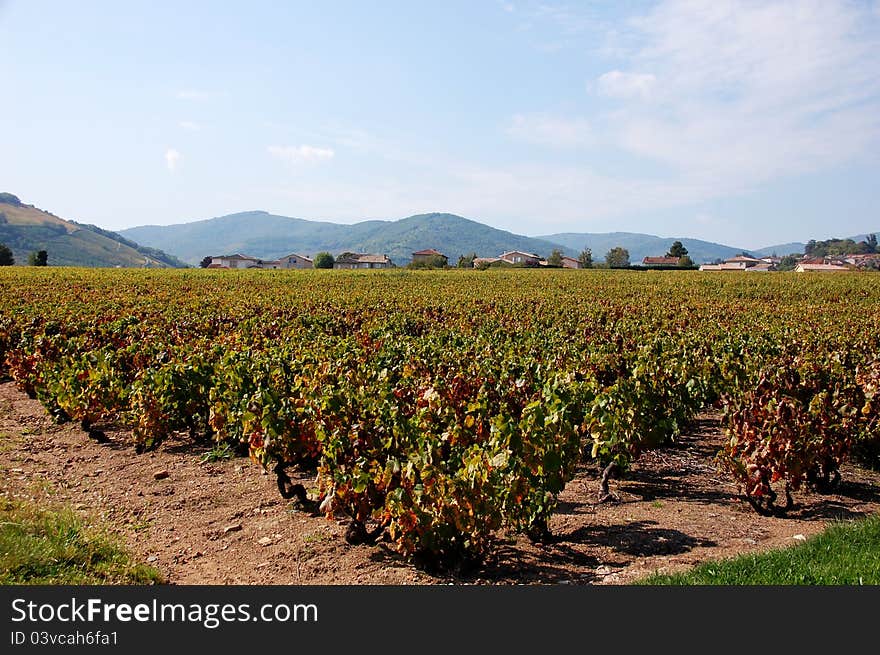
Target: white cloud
{"x":549,"y":130}
{"x":301,"y":154}
{"x":192,"y":126}
{"x":747,"y":93}
{"x":172,"y":158}
{"x":618,"y":84}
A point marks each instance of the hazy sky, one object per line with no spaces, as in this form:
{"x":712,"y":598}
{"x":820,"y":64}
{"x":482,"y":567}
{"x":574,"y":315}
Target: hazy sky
{"x":749,"y":123}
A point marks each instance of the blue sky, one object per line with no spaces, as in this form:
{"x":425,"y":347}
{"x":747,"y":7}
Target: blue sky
{"x":748,"y":123}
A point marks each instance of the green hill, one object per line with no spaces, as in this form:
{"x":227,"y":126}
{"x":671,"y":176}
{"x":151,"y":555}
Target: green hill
{"x":25,"y":228}
{"x":641,"y":245}
{"x":268,"y":236}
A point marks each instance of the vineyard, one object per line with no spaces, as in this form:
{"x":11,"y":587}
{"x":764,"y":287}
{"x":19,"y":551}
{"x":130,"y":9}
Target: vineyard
{"x":439,"y":410}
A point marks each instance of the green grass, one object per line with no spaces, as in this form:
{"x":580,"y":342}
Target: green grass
{"x":218,"y":453}
{"x":846,"y":553}
{"x":55,"y":546}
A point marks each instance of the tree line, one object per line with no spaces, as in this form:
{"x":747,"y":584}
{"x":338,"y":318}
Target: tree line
{"x":36,"y":258}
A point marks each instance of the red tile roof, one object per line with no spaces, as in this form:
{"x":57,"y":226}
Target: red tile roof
{"x":662,"y":261}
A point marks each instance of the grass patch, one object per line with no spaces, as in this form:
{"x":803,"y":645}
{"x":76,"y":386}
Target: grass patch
{"x":55,"y":546}
{"x":846,"y":553}
{"x":218,"y":453}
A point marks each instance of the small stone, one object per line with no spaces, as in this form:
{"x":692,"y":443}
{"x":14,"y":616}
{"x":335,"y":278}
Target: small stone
{"x":152,"y":558}
{"x":99,"y":472}
{"x":235,"y":527}
{"x":799,"y":537}
{"x":161,"y":474}
{"x":262,"y":565}
{"x":264,"y":541}
{"x":603,"y":570}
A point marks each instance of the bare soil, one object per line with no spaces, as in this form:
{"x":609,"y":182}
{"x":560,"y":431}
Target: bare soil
{"x":224,"y":522}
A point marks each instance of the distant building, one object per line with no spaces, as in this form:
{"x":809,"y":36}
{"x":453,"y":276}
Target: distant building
{"x":820,"y":268}
{"x":485,"y":261}
{"x":348,"y":260}
{"x":570,"y":262}
{"x":234,"y":261}
{"x":295,"y":261}
{"x":739,"y":263}
{"x":660,"y":261}
{"x":520,"y":257}
{"x":246,"y":261}
{"x":863,"y":260}
{"x":426,"y":256}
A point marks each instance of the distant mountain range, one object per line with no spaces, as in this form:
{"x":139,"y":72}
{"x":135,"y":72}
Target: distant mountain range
{"x":269,"y":236}
{"x":25,"y":229}
{"x":641,"y":245}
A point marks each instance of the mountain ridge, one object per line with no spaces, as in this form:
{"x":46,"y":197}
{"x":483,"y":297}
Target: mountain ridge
{"x":25,"y":228}
{"x":268,"y":236}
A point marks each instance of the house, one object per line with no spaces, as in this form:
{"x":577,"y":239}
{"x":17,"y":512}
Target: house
{"x":362,"y":260}
{"x":820,"y":268}
{"x":234,"y":261}
{"x":246,"y":261}
{"x":744,"y":261}
{"x":739,"y":263}
{"x":295,"y":261}
{"x":868,"y":260}
{"x":724,"y":266}
{"x":428,"y":257}
{"x":485,"y":261}
{"x":570,"y":262}
{"x":660,"y":261}
{"x":519,"y":257}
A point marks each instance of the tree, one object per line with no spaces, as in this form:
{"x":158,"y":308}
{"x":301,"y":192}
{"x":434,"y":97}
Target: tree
{"x":206,"y":262}
{"x":555,"y":258}
{"x":6,"y":258}
{"x":677,"y":250}
{"x":617,"y":257}
{"x":586,"y":258}
{"x":467,"y":261}
{"x":430,"y":262}
{"x":323,"y":260}
{"x":871,"y":242}
{"x":685,"y":262}
{"x":38,"y":258}
{"x":787,"y":263}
